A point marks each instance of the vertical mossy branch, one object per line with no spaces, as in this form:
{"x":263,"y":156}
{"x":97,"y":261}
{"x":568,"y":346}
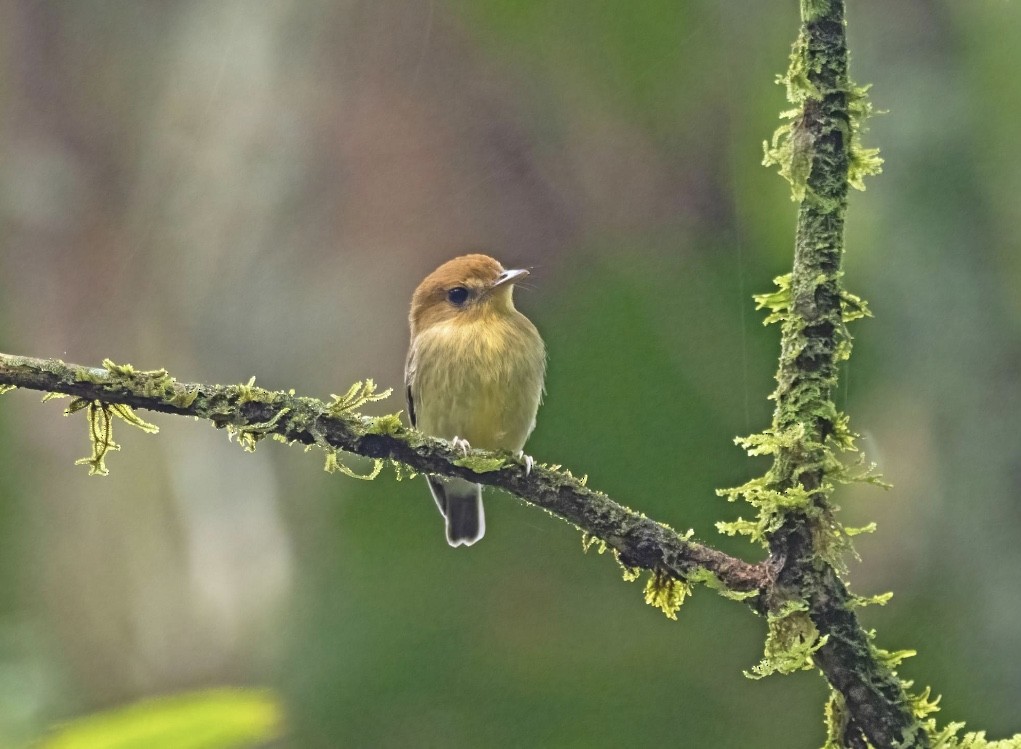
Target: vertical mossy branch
{"x":811,"y":612}
{"x":806,"y":424}
{"x":808,"y":430}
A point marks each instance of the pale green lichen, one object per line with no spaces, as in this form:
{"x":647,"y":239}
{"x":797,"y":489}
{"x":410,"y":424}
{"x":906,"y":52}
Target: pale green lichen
{"x":248,"y":393}
{"x":125,"y":370}
{"x":791,"y":152}
{"x":7,"y":388}
{"x":589,"y":540}
{"x":100,"y":417}
{"x":249,"y":435}
{"x":388,"y":424}
{"x":947,"y":738}
{"x":334,"y":465}
{"x":870,"y":528}
{"x":362,"y":392}
{"x":128,"y":415}
{"x":891,"y":659}
{"x":100,"y":434}
{"x":663,"y":590}
{"x":345,"y":406}
{"x":835,"y":718}
{"x":556,"y":468}
{"x":791,"y":147}
{"x":480,"y":463}
{"x":627,"y":571}
{"x":923,"y":706}
{"x":772,"y":504}
{"x":852,"y":306}
{"x":713,"y":582}
{"x":666,"y":593}
{"x":792,"y":441}
{"x":791,"y":641}
{"x":183,"y":399}
{"x":158,"y":384}
{"x":402,"y":471}
{"x":880,"y":599}
{"x":777,"y":302}
{"x":864,"y":162}
{"x":630,"y":574}
{"x":740,"y":527}
{"x":154,"y":383}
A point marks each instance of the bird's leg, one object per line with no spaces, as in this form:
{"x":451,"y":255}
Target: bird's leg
{"x":459,"y":444}
{"x":528,"y":460}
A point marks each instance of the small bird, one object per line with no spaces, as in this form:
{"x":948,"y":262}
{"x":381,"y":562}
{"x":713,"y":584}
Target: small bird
{"x":474,"y":375}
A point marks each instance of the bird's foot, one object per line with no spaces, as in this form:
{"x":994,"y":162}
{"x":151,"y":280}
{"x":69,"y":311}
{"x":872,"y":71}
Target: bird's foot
{"x":528,"y":460}
{"x":459,"y":444}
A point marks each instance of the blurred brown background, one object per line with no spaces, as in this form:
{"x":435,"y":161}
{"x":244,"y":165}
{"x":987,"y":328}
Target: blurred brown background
{"x":240,"y":188}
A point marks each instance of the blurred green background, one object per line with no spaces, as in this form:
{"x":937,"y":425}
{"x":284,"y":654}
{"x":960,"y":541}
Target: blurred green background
{"x":235,"y":188}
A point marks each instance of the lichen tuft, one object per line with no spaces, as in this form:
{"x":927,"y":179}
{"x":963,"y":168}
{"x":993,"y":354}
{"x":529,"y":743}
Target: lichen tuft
{"x":362,"y":392}
{"x":666,"y":593}
{"x":790,"y":642}
{"x":792,"y":146}
{"x":388,"y":424}
{"x":480,"y":464}
{"x":100,"y":417}
{"x":334,"y":465}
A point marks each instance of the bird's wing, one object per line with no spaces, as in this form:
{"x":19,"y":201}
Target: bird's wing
{"x":409,"y":379}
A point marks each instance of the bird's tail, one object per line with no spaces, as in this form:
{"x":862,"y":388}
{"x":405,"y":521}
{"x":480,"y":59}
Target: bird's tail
{"x":460,"y":503}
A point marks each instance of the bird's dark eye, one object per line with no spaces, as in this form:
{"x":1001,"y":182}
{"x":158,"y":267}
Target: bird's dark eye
{"x":458,"y":295}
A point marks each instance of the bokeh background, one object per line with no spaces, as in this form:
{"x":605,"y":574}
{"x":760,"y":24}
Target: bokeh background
{"x":234,"y":188}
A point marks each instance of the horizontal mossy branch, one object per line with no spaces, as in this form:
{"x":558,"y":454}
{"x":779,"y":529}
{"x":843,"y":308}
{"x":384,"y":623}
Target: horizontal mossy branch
{"x":253,"y":413}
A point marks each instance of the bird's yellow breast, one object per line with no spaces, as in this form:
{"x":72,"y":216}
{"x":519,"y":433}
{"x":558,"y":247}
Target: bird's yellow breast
{"x":480,"y":380}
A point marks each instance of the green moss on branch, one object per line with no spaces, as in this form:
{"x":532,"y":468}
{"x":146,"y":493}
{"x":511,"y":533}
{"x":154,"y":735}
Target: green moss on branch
{"x":251,"y":413}
{"x":811,"y":612}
